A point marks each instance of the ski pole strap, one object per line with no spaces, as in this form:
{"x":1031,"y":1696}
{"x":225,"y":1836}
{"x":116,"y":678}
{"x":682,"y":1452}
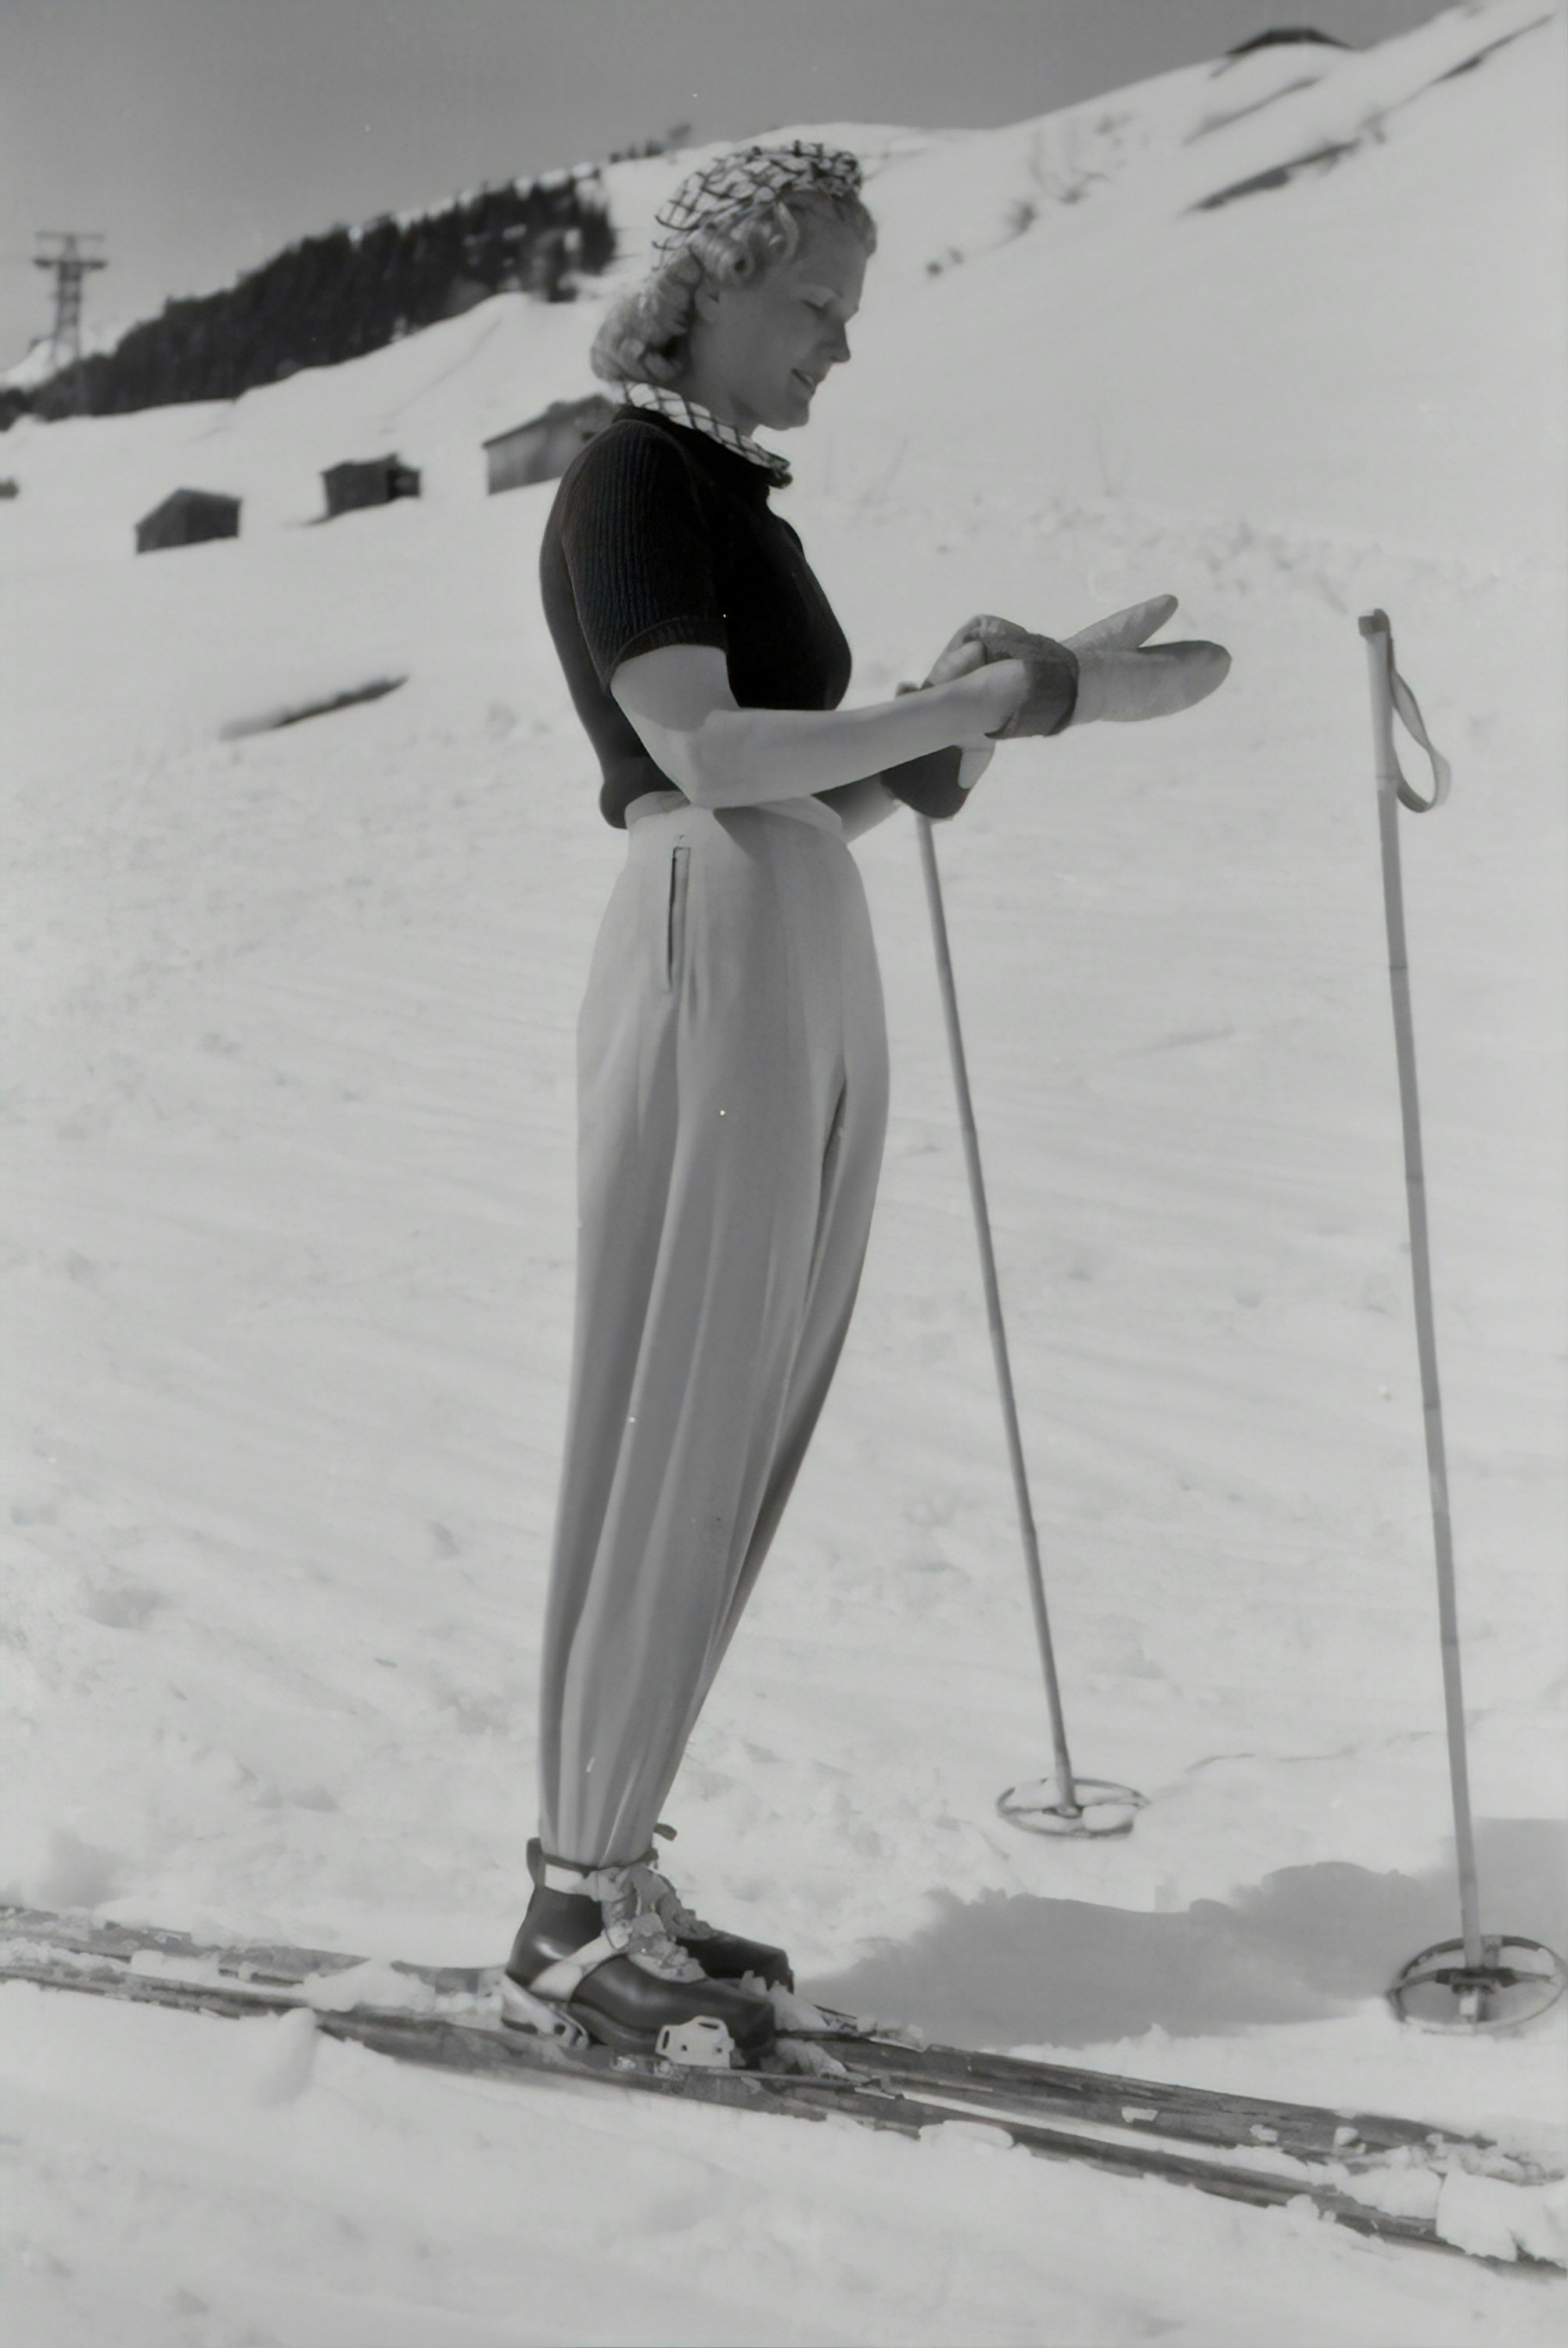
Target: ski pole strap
{"x":1402,"y":703}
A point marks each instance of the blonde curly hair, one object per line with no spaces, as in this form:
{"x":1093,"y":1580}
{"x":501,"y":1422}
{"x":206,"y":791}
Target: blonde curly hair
{"x":644,"y":334}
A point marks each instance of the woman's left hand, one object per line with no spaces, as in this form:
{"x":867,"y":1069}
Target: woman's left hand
{"x":959,"y":655}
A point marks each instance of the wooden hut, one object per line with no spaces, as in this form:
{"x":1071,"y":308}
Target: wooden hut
{"x":376,"y":481}
{"x":185,"y":517}
{"x":541,"y":449}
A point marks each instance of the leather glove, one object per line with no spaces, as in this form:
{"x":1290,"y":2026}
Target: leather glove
{"x":1119,"y":676}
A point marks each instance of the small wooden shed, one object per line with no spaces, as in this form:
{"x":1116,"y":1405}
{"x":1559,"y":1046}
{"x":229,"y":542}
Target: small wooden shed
{"x":541,"y":449}
{"x":375,"y":481}
{"x":185,"y":517}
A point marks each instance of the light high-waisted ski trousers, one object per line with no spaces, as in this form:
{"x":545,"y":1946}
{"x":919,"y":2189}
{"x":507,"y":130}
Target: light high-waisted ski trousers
{"x":732,"y":1097}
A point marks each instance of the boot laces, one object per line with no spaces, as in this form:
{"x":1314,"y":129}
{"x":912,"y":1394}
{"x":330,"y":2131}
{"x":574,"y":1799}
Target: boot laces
{"x":676,"y":1914}
{"x":642,"y":1916}
{"x":677,"y":1917}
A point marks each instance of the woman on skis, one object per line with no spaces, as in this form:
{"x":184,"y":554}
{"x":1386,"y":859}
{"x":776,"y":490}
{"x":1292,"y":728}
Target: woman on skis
{"x":732,"y":1074}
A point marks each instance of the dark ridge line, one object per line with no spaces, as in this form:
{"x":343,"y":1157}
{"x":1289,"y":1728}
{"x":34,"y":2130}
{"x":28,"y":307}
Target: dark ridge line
{"x":1502,"y":42}
{"x":1278,"y":176}
{"x":1281,"y":37}
{"x":1223,"y":121}
{"x":375,"y":691}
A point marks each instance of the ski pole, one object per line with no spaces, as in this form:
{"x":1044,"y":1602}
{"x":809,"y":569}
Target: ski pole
{"x":1393,"y":791}
{"x":1483,"y":1973}
{"x":1077,"y":1801}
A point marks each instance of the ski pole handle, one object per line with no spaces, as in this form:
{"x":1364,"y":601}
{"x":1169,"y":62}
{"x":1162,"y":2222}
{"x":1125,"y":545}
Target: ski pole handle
{"x":1391,"y":695}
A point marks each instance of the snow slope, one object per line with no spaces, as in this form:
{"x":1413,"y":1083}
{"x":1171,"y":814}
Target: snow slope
{"x":287,"y":1259}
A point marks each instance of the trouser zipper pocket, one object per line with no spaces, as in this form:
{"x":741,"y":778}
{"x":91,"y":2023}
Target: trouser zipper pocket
{"x":676,"y":918}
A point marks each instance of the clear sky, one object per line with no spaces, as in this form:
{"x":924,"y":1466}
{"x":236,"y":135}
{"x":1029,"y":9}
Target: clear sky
{"x":202,"y":134}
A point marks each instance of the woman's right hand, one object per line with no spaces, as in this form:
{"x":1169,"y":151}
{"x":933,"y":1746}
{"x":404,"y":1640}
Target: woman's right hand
{"x":985,"y":700}
{"x":961,"y":653}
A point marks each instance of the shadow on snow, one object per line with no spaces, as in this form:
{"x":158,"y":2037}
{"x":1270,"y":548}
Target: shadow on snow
{"x":1306,"y":1942}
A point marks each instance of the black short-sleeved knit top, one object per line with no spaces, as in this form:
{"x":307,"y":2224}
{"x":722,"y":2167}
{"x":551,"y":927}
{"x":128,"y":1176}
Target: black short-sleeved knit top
{"x":659,"y":535}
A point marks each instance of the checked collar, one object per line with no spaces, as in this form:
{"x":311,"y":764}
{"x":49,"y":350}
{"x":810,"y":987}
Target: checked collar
{"x":681,"y":410}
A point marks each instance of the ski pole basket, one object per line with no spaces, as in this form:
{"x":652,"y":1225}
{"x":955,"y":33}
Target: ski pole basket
{"x":1515,"y":1981}
{"x":1073,"y":1805}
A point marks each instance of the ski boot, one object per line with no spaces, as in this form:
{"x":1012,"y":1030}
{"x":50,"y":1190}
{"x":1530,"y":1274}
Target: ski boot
{"x":595,"y":1963}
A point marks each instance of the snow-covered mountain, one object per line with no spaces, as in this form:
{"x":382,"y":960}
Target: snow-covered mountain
{"x":291,"y":1223}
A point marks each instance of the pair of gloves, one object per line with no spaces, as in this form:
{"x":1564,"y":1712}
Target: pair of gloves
{"x":1108,"y":670}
